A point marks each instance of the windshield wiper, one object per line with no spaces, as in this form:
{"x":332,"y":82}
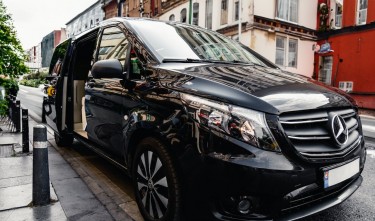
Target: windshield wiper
{"x":193,"y":60}
{"x":187,"y":60}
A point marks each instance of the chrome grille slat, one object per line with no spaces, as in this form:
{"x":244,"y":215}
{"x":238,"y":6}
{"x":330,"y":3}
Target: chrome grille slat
{"x":310,"y":133}
{"x":304,"y":121}
{"x":341,"y":153}
{"x":310,"y":138}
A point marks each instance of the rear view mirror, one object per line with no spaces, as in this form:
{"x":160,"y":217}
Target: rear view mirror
{"x":111,"y":68}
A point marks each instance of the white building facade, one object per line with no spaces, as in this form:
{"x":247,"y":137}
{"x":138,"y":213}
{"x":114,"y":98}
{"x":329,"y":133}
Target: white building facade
{"x":283,"y":31}
{"x":85,"y":20}
{"x":34,"y":57}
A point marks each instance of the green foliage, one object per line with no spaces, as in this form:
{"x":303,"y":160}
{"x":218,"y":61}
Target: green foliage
{"x":34,"y":79}
{"x":3,"y":107}
{"x":12,"y":56}
{"x":10,"y":85}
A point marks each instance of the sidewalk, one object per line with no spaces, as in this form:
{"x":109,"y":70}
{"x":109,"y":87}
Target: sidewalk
{"x":71,"y":199}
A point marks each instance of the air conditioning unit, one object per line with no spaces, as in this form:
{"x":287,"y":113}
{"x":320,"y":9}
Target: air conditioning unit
{"x":346,"y":86}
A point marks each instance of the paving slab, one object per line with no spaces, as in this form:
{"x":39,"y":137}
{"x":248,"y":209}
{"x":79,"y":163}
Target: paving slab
{"x":19,"y":196}
{"x":53,"y":212}
{"x":10,"y":138}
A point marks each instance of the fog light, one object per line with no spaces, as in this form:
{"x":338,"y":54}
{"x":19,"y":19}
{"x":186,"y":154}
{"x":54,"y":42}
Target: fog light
{"x":244,"y":206}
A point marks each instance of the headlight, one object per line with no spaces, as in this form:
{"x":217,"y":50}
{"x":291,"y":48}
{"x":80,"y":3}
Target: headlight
{"x":244,"y":124}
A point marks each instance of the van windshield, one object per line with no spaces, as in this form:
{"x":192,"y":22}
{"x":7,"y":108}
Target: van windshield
{"x":181,"y":41}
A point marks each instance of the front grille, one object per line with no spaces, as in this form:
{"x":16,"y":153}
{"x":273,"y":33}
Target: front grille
{"x":310,"y":133}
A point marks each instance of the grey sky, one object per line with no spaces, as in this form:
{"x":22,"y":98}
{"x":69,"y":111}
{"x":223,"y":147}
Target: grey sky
{"x":34,"y":19}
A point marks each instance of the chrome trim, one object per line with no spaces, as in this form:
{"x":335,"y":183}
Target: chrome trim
{"x":309,"y":138}
{"x":63,"y":117}
{"x":353,"y":128}
{"x":347,"y":150}
{"x":304,"y":121}
{"x":347,"y":115}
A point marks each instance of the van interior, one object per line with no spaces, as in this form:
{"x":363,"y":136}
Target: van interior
{"x":82,"y":61}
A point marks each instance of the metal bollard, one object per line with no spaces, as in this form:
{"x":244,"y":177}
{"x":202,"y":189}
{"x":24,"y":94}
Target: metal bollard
{"x":41,"y":191}
{"x":25,"y":131}
{"x":17,"y":117}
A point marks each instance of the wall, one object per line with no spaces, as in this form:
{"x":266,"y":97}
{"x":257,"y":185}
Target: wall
{"x":306,"y":11}
{"x":349,"y":13}
{"x":265,"y":8}
{"x":110,"y":10}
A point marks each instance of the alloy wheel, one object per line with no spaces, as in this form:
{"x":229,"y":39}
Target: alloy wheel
{"x":152,"y":184}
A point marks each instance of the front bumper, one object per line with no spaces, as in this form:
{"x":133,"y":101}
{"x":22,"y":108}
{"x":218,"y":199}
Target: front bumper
{"x":324,"y":203}
{"x":269,"y":180}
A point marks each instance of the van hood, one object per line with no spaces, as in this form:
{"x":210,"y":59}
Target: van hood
{"x":257,"y":87}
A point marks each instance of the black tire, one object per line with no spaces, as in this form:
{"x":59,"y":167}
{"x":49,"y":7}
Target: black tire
{"x":63,"y":139}
{"x":156,"y":184}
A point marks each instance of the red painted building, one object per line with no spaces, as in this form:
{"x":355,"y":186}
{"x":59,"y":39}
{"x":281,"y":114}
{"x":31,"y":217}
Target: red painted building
{"x":345,"y":50}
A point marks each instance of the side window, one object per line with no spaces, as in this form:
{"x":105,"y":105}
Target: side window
{"x":114,"y":45}
{"x":58,"y":58}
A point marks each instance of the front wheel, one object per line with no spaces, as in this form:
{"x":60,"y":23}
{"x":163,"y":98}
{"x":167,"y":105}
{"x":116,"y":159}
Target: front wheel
{"x":156,"y":185}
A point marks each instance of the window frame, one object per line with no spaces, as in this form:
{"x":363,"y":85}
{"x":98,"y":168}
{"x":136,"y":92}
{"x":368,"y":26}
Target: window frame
{"x":172,"y":16}
{"x":195,"y":11}
{"x":181,"y":15}
{"x":288,"y":12}
{"x":321,"y":62}
{"x":337,"y":15}
{"x":209,"y":22}
{"x":358,"y":21}
{"x":236,"y":13}
{"x":224,"y":8}
{"x":286,"y":51}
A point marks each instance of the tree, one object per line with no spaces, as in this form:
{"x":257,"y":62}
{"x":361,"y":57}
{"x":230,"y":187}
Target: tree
{"x":12,"y":56}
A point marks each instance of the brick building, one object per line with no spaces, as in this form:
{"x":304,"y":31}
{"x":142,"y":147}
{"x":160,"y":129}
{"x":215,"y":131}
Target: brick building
{"x":131,"y":8}
{"x":345,"y":48}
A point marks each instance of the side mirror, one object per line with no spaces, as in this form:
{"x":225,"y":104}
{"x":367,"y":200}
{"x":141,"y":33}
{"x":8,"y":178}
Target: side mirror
{"x":111,"y":68}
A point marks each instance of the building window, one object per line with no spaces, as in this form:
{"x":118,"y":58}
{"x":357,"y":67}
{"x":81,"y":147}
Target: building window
{"x":362,"y":12}
{"x":287,"y":10}
{"x":325,"y":73}
{"x":171,"y":17}
{"x":292,"y":53}
{"x":224,"y":12}
{"x":195,"y":13}
{"x":183,"y":15}
{"x":285,"y":46}
{"x":346,"y":86}
{"x":209,"y":9}
{"x":280,"y":50}
{"x":338,"y":15}
{"x":236,"y":10}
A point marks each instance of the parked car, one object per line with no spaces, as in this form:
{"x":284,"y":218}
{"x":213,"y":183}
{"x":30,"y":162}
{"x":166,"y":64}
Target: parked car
{"x":203,"y":125}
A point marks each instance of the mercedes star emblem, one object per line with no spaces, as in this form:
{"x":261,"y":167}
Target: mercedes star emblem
{"x":339,"y":129}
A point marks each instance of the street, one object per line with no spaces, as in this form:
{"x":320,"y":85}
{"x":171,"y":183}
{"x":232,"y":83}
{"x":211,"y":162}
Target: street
{"x":32,"y":99}
{"x":360,"y":206}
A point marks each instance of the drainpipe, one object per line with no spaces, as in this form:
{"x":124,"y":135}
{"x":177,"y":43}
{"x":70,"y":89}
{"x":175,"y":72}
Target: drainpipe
{"x":120,"y":5}
{"x":239,"y":20}
{"x":190,"y":11}
{"x":141,"y":8}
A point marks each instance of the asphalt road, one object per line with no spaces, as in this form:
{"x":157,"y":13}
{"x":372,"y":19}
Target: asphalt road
{"x":32,"y":99}
{"x":360,"y":206}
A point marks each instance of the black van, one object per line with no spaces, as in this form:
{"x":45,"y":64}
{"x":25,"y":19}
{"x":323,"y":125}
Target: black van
{"x":203,"y":124}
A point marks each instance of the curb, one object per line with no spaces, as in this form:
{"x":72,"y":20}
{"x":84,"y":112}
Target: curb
{"x":113,"y":209}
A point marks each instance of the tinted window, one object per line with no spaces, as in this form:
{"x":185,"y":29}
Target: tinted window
{"x":180,"y":41}
{"x":58,"y":58}
{"x":113,"y":45}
